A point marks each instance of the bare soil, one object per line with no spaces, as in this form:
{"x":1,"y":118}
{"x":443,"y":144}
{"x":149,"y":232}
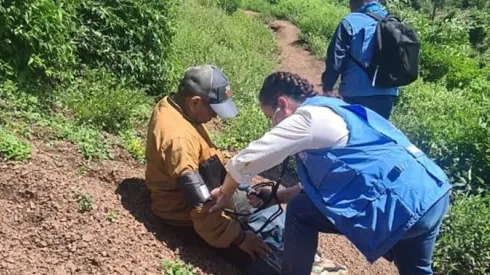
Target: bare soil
{"x":43,"y":232}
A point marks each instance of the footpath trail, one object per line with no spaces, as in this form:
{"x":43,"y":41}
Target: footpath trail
{"x":295,"y":59}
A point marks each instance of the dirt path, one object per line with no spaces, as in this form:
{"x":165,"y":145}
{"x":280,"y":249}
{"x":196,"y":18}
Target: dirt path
{"x":295,"y":59}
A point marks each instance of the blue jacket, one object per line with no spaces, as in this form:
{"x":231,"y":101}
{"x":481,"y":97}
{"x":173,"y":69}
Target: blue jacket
{"x":355,"y":33}
{"x":376,"y":187}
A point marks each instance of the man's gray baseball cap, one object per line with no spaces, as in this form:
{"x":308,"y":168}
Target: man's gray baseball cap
{"x":211,"y":84}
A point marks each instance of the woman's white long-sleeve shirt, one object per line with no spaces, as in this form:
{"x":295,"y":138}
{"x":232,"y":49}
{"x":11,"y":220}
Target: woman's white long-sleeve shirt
{"x":310,"y":127}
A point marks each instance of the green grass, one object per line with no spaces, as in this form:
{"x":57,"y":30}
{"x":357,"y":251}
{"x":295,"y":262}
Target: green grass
{"x":243,"y":47}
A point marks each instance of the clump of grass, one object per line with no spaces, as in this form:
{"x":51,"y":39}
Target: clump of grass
{"x":12,"y":148}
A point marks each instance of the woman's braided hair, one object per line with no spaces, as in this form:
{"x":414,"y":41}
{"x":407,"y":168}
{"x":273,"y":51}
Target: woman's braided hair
{"x":285,"y":83}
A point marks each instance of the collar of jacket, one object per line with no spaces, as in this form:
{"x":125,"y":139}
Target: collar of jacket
{"x":372,"y":6}
{"x":173,"y":103}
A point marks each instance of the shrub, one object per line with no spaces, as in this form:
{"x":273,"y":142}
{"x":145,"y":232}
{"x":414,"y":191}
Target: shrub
{"x":479,"y":30}
{"x":11,"y":148}
{"x":36,"y":37}
{"x":230,"y":6}
{"x":463,"y":246}
{"x":50,"y":39}
{"x":130,"y":37}
{"x":450,"y":126}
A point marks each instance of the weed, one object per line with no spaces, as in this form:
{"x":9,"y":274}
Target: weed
{"x":176,"y":268}
{"x":134,"y":145}
{"x":83,"y":170}
{"x":89,"y":141}
{"x":85,"y":202}
{"x":110,"y":215}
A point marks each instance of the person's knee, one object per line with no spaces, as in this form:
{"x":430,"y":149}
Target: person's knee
{"x":296,"y":206}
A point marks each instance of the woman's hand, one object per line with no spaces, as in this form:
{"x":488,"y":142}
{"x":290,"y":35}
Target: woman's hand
{"x":221,"y":199}
{"x":223,"y":194}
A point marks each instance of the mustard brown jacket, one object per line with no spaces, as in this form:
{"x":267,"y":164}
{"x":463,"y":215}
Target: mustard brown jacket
{"x":176,"y":145}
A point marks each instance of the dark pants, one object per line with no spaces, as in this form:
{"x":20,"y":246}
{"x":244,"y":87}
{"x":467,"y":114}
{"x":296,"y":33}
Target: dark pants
{"x":272,"y":234}
{"x":381,"y":104}
{"x":412,"y":254}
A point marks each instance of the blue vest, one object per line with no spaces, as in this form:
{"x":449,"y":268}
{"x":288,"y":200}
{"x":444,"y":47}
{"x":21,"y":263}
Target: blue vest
{"x":376,"y":187}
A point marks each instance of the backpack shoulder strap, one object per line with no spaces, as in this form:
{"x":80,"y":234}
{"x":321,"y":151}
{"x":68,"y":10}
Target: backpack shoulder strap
{"x":374,"y":16}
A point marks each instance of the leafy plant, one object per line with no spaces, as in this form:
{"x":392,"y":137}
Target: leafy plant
{"x":463,"y":246}
{"x":134,"y":145}
{"x":36,"y":37}
{"x":90,"y":142}
{"x":176,"y":268}
{"x":85,"y":202}
{"x":11,"y":148}
{"x":110,"y":215}
{"x":131,"y":38}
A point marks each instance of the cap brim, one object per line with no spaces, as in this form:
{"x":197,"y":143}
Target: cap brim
{"x":225,"y":109}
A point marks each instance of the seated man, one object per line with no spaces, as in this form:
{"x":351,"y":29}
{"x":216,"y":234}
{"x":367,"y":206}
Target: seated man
{"x":183,"y":165}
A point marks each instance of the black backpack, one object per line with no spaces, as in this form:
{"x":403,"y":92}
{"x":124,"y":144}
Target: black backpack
{"x":395,"y":58}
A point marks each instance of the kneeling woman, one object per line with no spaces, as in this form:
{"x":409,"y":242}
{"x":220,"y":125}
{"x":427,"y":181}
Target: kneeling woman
{"x":360,"y":177}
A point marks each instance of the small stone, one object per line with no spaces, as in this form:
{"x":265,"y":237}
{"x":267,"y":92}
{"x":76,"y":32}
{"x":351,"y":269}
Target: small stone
{"x":44,"y":243}
{"x":10,"y":260}
{"x":104,"y":253}
{"x":87,"y":237}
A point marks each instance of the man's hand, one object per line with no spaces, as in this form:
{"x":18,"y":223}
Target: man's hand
{"x":220,"y":198}
{"x":254,"y":246}
{"x":256,"y":199}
